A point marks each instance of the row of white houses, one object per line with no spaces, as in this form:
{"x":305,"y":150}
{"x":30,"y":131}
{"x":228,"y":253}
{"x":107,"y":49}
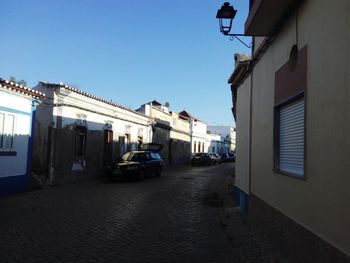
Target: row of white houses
{"x":17,"y":114}
{"x":77,"y":135}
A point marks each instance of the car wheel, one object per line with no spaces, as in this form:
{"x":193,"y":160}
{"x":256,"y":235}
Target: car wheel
{"x":141,"y":176}
{"x":159,"y":172}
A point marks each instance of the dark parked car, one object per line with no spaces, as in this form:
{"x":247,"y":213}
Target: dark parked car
{"x":139,"y":164}
{"x":216,"y":158}
{"x":232,"y":157}
{"x":225,"y":157}
{"x":201,"y":158}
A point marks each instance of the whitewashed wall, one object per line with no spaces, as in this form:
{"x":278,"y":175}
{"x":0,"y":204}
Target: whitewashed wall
{"x":21,"y":107}
{"x":199,"y":135}
{"x":97,"y":114}
{"x":213,"y":140}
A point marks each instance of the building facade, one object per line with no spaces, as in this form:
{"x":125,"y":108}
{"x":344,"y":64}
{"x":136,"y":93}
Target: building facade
{"x":198,"y":132}
{"x":17,"y":113}
{"x":214,"y":143}
{"x":78,"y":135}
{"x":241,"y":91}
{"x":228,"y":137}
{"x":290,"y":100}
{"x":171,"y":130}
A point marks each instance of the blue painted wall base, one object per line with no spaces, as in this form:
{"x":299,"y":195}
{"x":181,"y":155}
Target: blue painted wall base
{"x":14,"y":184}
{"x":242,"y":199}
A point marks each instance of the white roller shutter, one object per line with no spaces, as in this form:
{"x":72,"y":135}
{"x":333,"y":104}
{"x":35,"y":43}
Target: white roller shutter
{"x":291,"y":150}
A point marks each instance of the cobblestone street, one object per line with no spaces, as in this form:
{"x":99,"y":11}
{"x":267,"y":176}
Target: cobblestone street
{"x":175,"y":218}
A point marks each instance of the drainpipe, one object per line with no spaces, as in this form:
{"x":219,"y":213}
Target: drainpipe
{"x":250,"y":129}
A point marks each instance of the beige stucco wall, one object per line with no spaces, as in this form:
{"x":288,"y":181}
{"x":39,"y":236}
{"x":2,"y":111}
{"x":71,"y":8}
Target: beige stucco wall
{"x":257,"y":42}
{"x":321,"y":203}
{"x":242,"y":136}
{"x":180,"y":128}
{"x":159,"y":114}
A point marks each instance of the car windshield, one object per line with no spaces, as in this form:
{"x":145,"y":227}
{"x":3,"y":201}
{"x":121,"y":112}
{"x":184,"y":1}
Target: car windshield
{"x":133,"y":156}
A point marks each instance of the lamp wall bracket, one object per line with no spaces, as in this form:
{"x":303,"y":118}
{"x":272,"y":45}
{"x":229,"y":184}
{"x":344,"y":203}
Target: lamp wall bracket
{"x":236,"y":36}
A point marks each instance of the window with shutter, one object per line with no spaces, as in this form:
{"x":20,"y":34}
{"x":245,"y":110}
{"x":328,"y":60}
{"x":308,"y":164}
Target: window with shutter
{"x":290,"y":138}
{"x":289,"y":114}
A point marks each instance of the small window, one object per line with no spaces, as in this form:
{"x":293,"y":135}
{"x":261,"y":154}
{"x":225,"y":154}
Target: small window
{"x":128,"y":142}
{"x":7,"y":131}
{"x":199,"y":147}
{"x":80,"y":141}
{"x":139,"y":142}
{"x":289,"y":138}
{"x":194,"y":148}
{"x":10,"y":125}
{"x":108,"y":136}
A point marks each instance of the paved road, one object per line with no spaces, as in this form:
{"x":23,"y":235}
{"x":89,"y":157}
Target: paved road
{"x":165,"y":219}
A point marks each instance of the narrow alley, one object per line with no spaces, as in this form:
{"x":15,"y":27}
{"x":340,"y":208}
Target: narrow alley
{"x":176,"y":218}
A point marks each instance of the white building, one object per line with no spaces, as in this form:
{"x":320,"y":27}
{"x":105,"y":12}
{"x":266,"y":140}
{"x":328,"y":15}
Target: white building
{"x":79,"y":134}
{"x":171,"y":130}
{"x":214,"y":143}
{"x":198,"y":131}
{"x":16,"y":112}
{"x":228,"y":137}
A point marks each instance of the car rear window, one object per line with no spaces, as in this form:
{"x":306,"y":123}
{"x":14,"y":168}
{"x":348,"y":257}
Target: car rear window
{"x":155,"y":155}
{"x":136,"y":157}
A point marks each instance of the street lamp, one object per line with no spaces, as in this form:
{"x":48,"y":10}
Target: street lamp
{"x":226,"y":14}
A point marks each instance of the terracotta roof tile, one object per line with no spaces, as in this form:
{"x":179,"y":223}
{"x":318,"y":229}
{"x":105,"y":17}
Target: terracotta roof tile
{"x":86,"y":94}
{"x":10,"y":85}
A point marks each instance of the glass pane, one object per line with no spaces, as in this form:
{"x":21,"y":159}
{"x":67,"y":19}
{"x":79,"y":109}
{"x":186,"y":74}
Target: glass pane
{"x":2,"y":116}
{"x":138,"y":157}
{"x":10,"y":128}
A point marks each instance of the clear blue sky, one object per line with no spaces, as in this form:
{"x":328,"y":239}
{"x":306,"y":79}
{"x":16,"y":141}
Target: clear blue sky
{"x":128,"y":51}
